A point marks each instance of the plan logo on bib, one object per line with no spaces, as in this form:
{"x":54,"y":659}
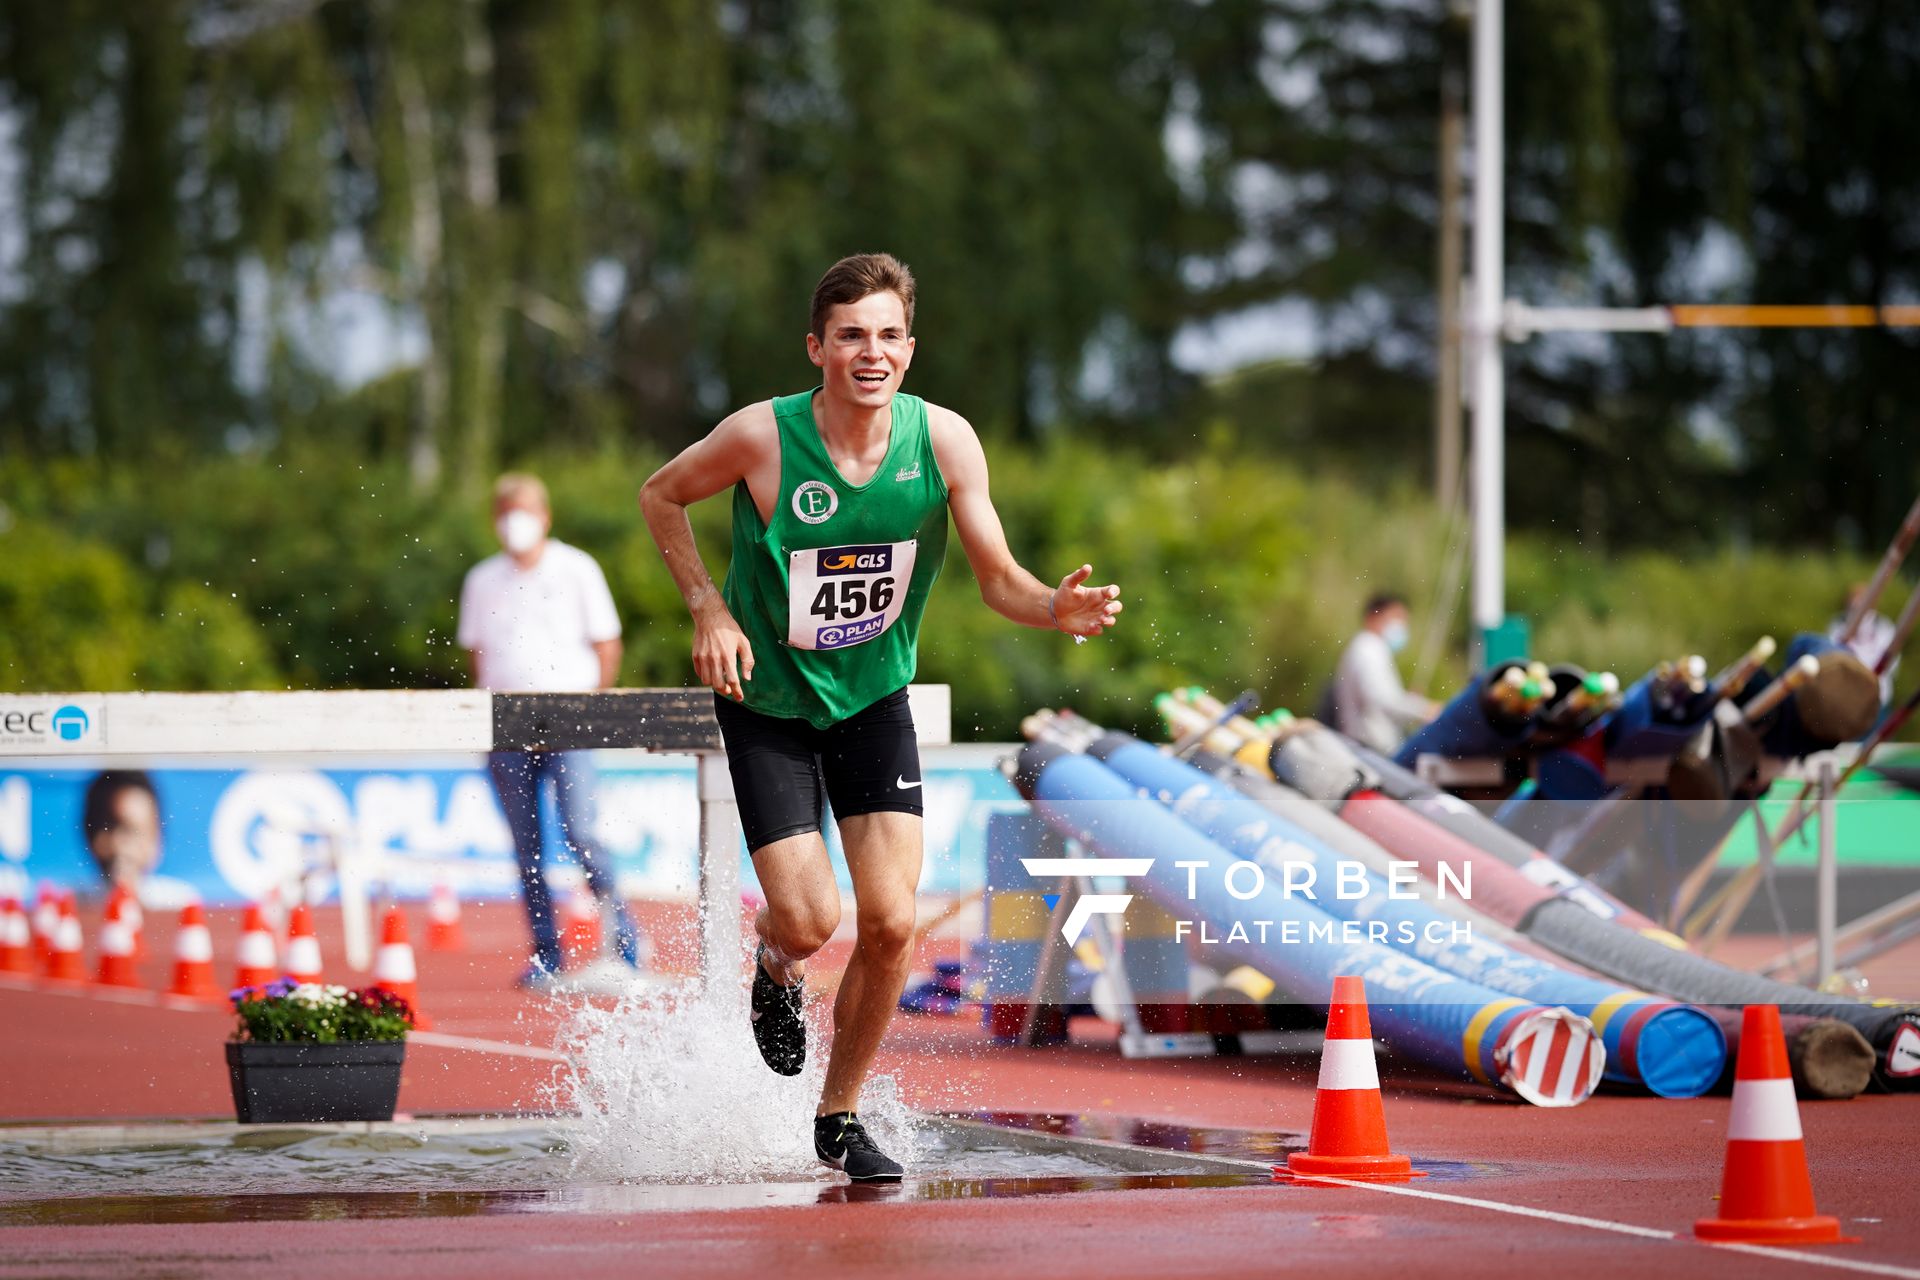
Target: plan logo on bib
{"x":815,"y":502}
{"x":853,"y":633}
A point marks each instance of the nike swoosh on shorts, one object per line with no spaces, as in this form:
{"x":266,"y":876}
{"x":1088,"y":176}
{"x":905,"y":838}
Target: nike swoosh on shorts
{"x":904,"y":785}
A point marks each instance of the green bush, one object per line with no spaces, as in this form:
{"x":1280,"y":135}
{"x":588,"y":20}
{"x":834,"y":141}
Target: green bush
{"x":79,"y":615}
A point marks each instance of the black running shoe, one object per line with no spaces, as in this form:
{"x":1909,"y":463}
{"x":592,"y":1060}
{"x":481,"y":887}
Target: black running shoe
{"x":777,"y":1027}
{"x":841,"y":1140}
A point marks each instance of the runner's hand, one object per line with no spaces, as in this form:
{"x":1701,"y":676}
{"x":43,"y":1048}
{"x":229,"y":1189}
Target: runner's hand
{"x":722,"y":656}
{"x":1080,"y":610}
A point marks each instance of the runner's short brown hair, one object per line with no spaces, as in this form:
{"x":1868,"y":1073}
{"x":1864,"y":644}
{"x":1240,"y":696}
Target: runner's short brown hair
{"x":852,"y":279}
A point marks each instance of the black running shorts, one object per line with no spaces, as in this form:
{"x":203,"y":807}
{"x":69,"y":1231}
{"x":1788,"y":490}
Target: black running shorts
{"x":786,"y":771}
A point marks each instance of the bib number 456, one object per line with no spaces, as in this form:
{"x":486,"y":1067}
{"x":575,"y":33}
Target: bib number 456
{"x":838,"y":597}
{"x":851,"y":598}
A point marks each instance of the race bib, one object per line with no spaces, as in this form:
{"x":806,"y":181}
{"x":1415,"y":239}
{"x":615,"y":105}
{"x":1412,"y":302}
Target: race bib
{"x":841,"y":596}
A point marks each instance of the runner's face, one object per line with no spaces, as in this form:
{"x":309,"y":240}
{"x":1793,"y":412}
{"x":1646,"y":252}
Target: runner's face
{"x":866,"y":350}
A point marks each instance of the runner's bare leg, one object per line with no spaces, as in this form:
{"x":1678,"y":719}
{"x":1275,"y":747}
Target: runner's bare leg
{"x":883,"y":857}
{"x":803,"y":903}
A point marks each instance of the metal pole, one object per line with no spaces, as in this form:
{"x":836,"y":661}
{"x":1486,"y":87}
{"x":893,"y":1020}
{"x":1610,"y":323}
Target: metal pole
{"x":1489,"y":376}
{"x":1829,"y":874}
{"x":1446,"y":380}
{"x":719,"y":870}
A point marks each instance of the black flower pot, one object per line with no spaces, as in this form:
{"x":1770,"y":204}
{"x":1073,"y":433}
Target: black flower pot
{"x":303,"y":1083}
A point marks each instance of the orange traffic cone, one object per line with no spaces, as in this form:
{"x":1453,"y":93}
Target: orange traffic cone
{"x":303,"y":949}
{"x":393,"y":967}
{"x":16,"y":938}
{"x":255,"y":961}
{"x":67,"y":963}
{"x":443,"y":920}
{"x":193,"y":957}
{"x":580,"y":941}
{"x":131,"y":916}
{"x":46,"y":923}
{"x":1766,"y":1196}
{"x":116,"y":949}
{"x":1349,"y":1137}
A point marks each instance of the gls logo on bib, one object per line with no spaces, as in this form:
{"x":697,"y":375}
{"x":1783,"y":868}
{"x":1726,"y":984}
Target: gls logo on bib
{"x":874,"y":559}
{"x":815,"y":502}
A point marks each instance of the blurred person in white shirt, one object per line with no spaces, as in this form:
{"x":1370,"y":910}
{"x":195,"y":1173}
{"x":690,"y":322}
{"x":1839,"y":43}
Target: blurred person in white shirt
{"x":1370,"y":703}
{"x":539,"y":616}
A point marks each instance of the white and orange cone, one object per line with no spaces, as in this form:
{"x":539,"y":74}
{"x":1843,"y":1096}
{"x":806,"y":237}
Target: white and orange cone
{"x":116,"y":949}
{"x":393,"y":966}
{"x":46,"y":923}
{"x":303,"y":948}
{"x":256,"y":963}
{"x":1766,"y":1196}
{"x":131,"y":916}
{"x":193,"y":957}
{"x":16,"y":938}
{"x":580,"y":940}
{"x":1349,"y":1137}
{"x":66,"y":963}
{"x":443,"y":920}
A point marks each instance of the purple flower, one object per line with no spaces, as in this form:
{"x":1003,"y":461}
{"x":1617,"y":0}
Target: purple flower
{"x":280,"y":987}
{"x":239,"y":994}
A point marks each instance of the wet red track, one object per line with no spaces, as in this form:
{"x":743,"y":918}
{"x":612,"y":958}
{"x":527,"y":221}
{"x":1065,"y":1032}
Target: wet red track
{"x":1635,"y":1162}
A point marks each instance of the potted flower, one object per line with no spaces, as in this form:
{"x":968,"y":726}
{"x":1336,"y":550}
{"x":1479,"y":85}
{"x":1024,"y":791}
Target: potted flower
{"x":305,"y":1053}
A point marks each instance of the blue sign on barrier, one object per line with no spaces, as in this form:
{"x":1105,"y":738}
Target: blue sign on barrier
{"x":228,"y":832}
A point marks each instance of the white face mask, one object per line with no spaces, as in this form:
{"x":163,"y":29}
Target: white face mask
{"x":1395,"y":634}
{"x":520,"y":531}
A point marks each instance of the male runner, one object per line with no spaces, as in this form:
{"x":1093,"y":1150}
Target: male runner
{"x":840,"y":503}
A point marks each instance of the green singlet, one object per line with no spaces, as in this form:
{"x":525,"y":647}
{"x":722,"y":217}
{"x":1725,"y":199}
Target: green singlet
{"x":830,"y":592}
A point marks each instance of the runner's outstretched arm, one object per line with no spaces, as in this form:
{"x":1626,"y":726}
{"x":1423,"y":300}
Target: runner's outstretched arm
{"x":1008,"y":589}
{"x":722,"y":657}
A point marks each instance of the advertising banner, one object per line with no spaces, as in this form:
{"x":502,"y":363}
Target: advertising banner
{"x":229,"y":830}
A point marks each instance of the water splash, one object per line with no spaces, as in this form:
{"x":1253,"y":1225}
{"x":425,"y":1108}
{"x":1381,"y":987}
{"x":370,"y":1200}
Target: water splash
{"x":669,"y":1087}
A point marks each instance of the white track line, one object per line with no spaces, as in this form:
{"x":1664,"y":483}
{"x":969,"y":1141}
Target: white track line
{"x":1628,"y":1229}
{"x":1822,"y":1260}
